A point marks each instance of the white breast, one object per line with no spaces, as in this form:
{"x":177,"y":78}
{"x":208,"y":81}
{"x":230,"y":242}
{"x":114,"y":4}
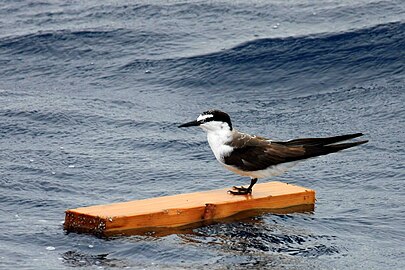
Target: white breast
{"x":217,"y":140}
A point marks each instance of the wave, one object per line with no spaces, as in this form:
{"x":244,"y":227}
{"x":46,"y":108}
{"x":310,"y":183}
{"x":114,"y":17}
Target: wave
{"x":358,"y":56}
{"x":292,"y":64}
{"x":72,"y":44}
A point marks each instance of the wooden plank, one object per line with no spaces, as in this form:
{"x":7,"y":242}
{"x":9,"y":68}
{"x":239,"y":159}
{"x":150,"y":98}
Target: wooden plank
{"x":185,"y":209}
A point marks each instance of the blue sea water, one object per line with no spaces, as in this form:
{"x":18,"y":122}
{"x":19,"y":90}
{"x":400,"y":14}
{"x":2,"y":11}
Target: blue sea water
{"x":91,"y":93}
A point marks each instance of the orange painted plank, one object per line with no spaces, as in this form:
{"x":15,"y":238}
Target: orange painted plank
{"x":185,"y":209}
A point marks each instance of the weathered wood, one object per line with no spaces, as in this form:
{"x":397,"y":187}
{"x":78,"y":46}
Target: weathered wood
{"x":185,"y":209}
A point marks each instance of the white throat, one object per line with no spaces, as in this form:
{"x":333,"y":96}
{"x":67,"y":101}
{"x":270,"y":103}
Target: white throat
{"x":219,"y":135}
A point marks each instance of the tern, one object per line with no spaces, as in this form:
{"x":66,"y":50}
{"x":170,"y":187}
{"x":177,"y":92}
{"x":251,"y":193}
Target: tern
{"x":259,"y":157}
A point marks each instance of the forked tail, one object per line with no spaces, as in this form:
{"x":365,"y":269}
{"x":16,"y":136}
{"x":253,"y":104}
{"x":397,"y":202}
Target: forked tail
{"x":321,"y":146}
{"x":322,"y":141}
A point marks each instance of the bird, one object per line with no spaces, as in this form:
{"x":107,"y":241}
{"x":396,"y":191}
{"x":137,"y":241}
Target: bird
{"x":259,"y":157}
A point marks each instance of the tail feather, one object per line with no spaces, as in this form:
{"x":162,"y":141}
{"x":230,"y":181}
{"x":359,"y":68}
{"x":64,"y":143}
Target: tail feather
{"x":320,"y":141}
{"x":313,"y":151}
{"x":341,"y":146}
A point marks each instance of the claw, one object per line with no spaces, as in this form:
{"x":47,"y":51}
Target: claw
{"x":240,"y":191}
{"x":239,"y":188}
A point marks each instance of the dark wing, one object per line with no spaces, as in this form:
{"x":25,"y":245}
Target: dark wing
{"x":259,"y":157}
{"x":321,"y":141}
{"x":258,"y":154}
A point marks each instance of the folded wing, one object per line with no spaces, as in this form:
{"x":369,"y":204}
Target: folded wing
{"x":255,"y":154}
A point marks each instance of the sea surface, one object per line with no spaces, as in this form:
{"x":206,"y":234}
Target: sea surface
{"x":92,"y":92}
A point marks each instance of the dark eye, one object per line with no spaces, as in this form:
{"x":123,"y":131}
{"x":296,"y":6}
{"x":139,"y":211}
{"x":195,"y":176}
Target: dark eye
{"x":209,"y":119}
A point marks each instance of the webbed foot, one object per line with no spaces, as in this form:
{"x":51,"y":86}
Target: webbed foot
{"x":240,"y":191}
{"x":243,"y":190}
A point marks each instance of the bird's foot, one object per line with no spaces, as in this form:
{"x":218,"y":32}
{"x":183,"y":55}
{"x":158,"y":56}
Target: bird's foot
{"x":240,"y":191}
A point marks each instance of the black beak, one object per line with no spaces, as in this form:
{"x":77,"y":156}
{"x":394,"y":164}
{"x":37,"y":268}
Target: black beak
{"x":191,"y":124}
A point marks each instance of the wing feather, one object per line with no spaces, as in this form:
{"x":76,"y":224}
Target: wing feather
{"x":253,"y":154}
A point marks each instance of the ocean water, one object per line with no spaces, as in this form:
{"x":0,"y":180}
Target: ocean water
{"x":91,"y":94}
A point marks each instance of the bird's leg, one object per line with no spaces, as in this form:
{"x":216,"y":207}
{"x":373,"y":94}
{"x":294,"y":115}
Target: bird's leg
{"x":243,"y":190}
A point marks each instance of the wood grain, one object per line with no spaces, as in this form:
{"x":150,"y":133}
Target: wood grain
{"x":186,"y":209}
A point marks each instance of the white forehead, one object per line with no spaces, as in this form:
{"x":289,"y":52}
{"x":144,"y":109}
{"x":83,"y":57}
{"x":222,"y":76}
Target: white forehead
{"x":204,"y":116}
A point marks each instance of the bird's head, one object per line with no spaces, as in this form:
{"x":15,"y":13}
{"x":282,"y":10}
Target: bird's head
{"x":212,"y":120}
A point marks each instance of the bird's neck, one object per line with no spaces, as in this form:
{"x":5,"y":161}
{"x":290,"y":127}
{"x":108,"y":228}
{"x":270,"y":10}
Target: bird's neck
{"x":219,"y":142}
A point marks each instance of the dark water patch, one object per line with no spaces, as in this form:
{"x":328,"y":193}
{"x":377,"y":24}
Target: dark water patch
{"x":128,"y":10}
{"x":28,"y":202}
{"x":8,"y":93}
{"x":15,"y":130}
{"x":370,"y":53}
{"x":54,"y":123}
{"x":36,"y":115}
{"x":54,"y":42}
{"x":65,"y":54}
{"x":89,"y":43}
{"x":255,"y":236}
{"x":78,"y":259}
